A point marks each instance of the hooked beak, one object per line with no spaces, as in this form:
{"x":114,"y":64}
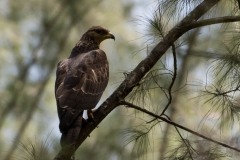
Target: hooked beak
{"x":110,"y":35}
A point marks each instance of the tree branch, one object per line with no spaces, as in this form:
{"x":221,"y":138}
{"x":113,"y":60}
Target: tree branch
{"x":173,"y":79}
{"x":130,"y":105}
{"x":211,"y":21}
{"x":137,"y":74}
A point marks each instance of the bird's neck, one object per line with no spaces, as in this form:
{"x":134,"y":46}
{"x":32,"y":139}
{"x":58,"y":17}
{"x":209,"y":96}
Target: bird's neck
{"x":83,"y":47}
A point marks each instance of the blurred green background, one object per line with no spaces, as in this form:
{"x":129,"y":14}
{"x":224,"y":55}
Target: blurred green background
{"x":36,"y":34}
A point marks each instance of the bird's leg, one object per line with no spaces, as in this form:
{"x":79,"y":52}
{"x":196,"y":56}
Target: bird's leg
{"x":90,"y":116}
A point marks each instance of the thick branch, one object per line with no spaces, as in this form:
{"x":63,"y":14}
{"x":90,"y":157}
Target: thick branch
{"x":138,"y":73}
{"x":130,"y":105}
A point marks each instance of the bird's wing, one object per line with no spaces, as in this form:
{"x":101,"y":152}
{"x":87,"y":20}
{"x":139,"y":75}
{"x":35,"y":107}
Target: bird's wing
{"x":96,"y":73}
{"x":61,"y":73}
{"x":79,"y":85}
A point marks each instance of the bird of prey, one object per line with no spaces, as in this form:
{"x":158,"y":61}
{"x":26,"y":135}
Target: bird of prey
{"x":80,"y":82}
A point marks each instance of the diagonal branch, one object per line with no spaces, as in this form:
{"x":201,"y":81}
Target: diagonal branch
{"x":137,"y":74}
{"x":130,"y":105}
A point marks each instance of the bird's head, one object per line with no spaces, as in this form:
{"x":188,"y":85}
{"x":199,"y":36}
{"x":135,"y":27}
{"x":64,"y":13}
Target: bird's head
{"x":98,"y":34}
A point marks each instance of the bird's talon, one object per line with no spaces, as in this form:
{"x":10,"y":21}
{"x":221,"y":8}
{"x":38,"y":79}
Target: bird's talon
{"x":90,"y":116}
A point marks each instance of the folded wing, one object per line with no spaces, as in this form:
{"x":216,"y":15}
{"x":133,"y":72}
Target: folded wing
{"x":79,"y":85}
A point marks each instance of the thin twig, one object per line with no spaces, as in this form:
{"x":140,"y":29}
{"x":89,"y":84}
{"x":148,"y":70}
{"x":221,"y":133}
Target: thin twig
{"x":173,"y":79}
{"x":211,"y":21}
{"x":219,"y":93}
{"x":130,"y":105}
{"x":180,"y":135}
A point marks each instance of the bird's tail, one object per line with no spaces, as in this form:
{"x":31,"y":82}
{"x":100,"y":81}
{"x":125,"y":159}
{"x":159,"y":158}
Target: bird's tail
{"x":71,"y":136}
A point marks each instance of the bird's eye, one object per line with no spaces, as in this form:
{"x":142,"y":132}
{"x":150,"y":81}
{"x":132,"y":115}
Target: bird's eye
{"x":99,"y":32}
